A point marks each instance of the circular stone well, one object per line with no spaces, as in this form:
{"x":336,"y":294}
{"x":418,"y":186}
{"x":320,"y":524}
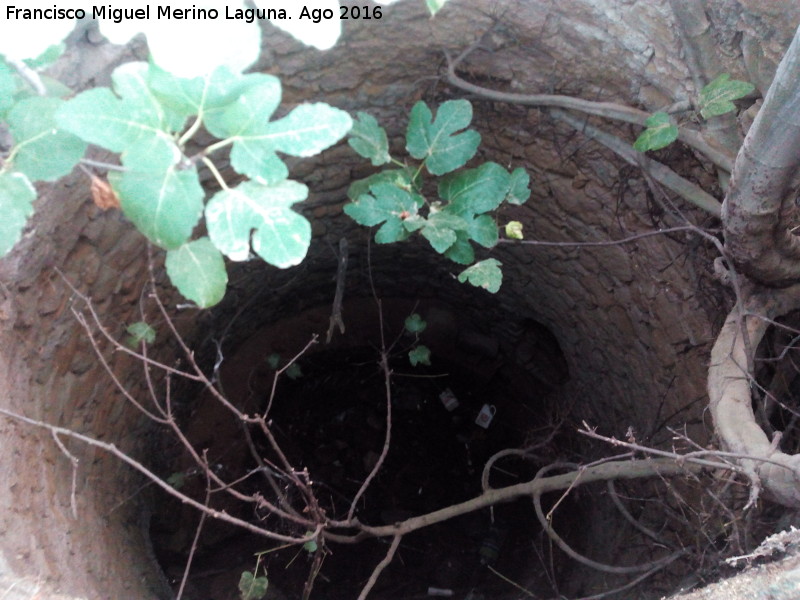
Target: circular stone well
{"x":617,"y":336}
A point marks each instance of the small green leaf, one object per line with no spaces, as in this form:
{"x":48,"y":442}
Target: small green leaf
{"x":475,"y":191}
{"x":261,"y":215}
{"x":461,"y":252}
{"x":311,"y":545}
{"x":307,"y":130}
{"x":135,"y":124}
{"x":164,"y":205}
{"x":198,"y":271}
{"x":293,"y":371}
{"x":717,"y":97}
{"x":140,"y":332}
{"x":16,"y":205}
{"x":391,"y":231}
{"x":177,"y":480}
{"x":483,"y":230}
{"x":42,"y":151}
{"x":248,"y":112}
{"x":273,"y":360}
{"x":415,"y":324}
{"x":388,"y":204}
{"x":100,"y":118}
{"x":421,"y":355}
{"x":414,"y":223}
{"x":369,"y":139}
{"x":438,"y":142}
{"x":660,"y":133}
{"x":385,"y":202}
{"x":244,"y":120}
{"x":440,"y":230}
{"x":435,"y":5}
{"x":252,"y":587}
{"x":485,"y":274}
{"x":398,"y":177}
{"x":518,"y":187}
{"x":514,"y":230}
{"x":131,"y":83}
{"x":199,"y":95}
{"x":440,"y":238}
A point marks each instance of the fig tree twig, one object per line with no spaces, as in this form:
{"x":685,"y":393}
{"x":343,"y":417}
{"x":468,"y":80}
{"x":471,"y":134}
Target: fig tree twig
{"x":341,"y":272}
{"x":546,"y":525}
{"x":609,"y":110}
{"x":387,"y":378}
{"x":74,"y":460}
{"x":626,"y":240}
{"x":373,"y":578}
{"x":658,"y":171}
{"x":124,"y":457}
{"x":197,"y":532}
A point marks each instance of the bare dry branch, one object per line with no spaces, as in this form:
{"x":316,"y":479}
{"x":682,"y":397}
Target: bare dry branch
{"x":196,"y":539}
{"x":546,"y":525}
{"x":387,"y":440}
{"x":74,"y":460}
{"x":626,"y":240}
{"x":124,"y":457}
{"x":373,"y":578}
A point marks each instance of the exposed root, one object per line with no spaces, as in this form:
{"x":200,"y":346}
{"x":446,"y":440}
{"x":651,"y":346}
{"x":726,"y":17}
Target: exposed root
{"x":730,"y":378}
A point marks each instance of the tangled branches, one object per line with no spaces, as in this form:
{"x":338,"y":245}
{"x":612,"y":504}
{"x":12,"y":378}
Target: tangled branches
{"x":289,"y":495}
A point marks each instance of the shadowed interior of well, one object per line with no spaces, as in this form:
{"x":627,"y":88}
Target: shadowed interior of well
{"x":330,"y":417}
{"x":614,"y":336}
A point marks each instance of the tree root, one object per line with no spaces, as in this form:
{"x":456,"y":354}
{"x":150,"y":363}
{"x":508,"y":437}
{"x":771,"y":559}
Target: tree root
{"x":545,"y":522}
{"x":730,"y":376}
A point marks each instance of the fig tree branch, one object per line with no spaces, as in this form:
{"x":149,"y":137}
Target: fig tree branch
{"x":634,"y":469}
{"x":608,"y":110}
{"x":764,"y":188}
{"x":658,"y":171}
{"x":626,"y":240}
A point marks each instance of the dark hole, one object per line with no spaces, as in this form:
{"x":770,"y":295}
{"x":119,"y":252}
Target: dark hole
{"x":332,"y":421}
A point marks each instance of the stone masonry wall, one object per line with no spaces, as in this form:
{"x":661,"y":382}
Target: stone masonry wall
{"x":634,"y":321}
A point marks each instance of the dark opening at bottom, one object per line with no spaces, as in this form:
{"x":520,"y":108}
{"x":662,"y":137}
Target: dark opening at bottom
{"x":331,"y":419}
